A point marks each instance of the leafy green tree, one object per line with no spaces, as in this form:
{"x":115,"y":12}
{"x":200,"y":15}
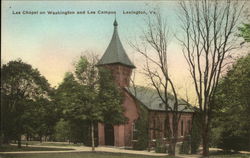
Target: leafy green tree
{"x":245,"y":32}
{"x":21,"y":86}
{"x":231,"y":125}
{"x":110,"y":99}
{"x":40,"y":118}
{"x":87,"y":75}
{"x":62,"y":131}
{"x":72,"y":96}
{"x":89,"y":94}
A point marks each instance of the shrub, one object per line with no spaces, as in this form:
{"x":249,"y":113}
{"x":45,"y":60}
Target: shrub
{"x":140,"y":144}
{"x":185,"y":146}
{"x":160,"y":146}
{"x":195,"y":134}
{"x":229,"y":141}
{"x":141,"y":134}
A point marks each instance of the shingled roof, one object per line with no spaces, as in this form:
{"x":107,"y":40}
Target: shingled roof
{"x":115,"y":52}
{"x":151,"y":100}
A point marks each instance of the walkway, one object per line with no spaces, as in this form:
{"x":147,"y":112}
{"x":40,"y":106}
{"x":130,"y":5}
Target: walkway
{"x":105,"y":149}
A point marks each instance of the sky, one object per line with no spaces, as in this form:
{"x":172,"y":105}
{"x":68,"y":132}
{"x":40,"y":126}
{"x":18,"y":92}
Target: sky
{"x":52,"y":43}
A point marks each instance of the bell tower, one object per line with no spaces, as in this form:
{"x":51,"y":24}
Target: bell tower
{"x":116,"y":60}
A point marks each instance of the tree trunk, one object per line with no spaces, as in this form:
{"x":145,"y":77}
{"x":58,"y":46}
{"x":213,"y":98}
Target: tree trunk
{"x":1,"y":138}
{"x":205,"y":135}
{"x":172,"y":146}
{"x":92,"y":136}
{"x":205,"y":150}
{"x":19,"y":142}
{"x":41,"y":137}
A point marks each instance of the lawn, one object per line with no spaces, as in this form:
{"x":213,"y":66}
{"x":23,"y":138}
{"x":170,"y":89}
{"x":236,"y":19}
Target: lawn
{"x":8,"y":148}
{"x":232,"y":155}
{"x":79,"y":155}
{"x":107,"y":155}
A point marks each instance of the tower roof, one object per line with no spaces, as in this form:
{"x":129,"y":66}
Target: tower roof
{"x":115,"y":53}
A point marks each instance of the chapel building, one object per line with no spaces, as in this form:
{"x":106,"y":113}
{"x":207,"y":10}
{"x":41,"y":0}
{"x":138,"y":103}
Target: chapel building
{"x":116,"y":59}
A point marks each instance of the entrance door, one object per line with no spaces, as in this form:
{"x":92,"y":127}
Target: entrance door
{"x":109,"y":134}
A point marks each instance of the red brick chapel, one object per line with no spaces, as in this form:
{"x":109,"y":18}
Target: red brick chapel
{"x":116,"y":59}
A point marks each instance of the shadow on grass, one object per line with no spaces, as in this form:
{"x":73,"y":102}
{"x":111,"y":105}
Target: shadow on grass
{"x":49,"y":143}
{"x":12,"y":148}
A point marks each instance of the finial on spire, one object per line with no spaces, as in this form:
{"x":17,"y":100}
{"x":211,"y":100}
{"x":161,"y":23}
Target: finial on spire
{"x":115,"y":22}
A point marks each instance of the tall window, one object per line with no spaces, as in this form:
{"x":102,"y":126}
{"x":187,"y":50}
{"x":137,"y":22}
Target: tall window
{"x":189,"y":126}
{"x":134,"y":131}
{"x":182,"y":130}
{"x":154,"y":129}
{"x":165,"y":128}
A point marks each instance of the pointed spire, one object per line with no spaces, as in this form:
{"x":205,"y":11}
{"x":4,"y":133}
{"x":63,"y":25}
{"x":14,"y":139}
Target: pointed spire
{"x":115,"y":23}
{"x":115,"y":52}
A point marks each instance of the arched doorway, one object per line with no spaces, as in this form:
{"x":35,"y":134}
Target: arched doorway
{"x":109,"y":134}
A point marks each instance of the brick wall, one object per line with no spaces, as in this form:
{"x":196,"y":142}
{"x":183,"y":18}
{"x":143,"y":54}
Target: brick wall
{"x":157,"y":125}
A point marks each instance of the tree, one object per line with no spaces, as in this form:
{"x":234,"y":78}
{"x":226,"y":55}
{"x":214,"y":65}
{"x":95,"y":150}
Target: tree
{"x":140,"y":133}
{"x":232,"y":123}
{"x":89,"y":94}
{"x":77,"y":108}
{"x":208,"y":29}
{"x":245,"y":32}
{"x":156,"y":37}
{"x":40,"y":117}
{"x":62,"y":131}
{"x":21,"y":86}
{"x":110,"y":98}
{"x":87,"y":75}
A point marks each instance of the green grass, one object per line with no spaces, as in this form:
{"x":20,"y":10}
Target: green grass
{"x":231,"y":156}
{"x":106,"y":155}
{"x":80,"y":155}
{"x":9,"y":148}
{"x":221,"y":154}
